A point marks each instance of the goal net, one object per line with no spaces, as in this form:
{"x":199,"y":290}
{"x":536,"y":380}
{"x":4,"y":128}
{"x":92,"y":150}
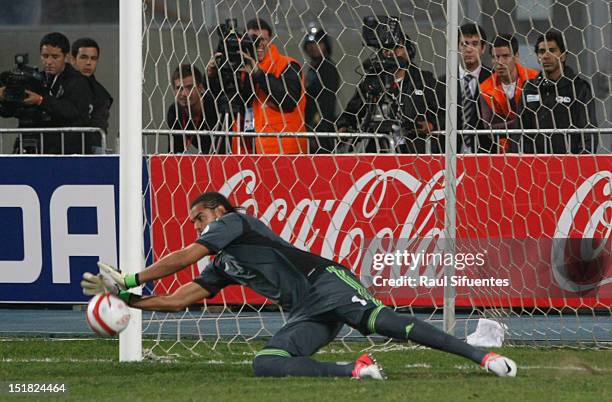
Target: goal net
{"x":524,"y":234}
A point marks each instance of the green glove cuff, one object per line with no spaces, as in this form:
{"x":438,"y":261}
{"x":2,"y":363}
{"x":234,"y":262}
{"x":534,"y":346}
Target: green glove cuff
{"x":125,"y":296}
{"x":130,"y":281}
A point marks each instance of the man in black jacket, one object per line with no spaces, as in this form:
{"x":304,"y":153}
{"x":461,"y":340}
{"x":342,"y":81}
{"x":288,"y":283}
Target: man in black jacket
{"x":86,"y":54}
{"x":322,"y":82}
{"x":557,"y":98}
{"x":194,"y":110}
{"x":399,"y":101}
{"x":66,"y":102}
{"x":472,"y":46}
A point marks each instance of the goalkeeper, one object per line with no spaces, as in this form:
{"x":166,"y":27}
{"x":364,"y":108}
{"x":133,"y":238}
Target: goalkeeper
{"x":320,"y":295}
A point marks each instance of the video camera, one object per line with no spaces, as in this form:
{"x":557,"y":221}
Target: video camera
{"x":232,"y":42}
{"x":23,"y":77}
{"x":382,"y":32}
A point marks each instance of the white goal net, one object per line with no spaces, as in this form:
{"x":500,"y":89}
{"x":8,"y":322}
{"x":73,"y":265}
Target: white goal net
{"x":528,"y":204}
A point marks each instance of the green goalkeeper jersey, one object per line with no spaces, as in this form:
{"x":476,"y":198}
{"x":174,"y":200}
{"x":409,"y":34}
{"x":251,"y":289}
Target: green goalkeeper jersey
{"x":250,"y":254}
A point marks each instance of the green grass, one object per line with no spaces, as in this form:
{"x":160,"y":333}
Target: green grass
{"x":90,"y":371}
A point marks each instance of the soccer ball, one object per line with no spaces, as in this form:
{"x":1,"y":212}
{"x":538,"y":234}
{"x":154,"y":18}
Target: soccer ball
{"x":107,"y":315}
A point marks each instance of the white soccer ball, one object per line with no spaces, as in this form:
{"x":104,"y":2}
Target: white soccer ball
{"x":107,"y":315}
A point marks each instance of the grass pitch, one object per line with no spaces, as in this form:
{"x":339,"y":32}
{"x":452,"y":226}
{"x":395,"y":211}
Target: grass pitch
{"x":90,"y":371}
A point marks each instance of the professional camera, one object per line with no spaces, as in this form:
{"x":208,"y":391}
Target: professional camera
{"x":23,"y":77}
{"x":383,"y":34}
{"x":382,"y":31}
{"x":232,"y":42}
{"x":379,"y":72}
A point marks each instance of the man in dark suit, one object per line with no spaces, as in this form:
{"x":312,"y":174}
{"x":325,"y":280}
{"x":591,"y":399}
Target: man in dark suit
{"x":472,"y":46}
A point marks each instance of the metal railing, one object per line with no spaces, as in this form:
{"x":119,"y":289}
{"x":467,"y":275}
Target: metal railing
{"x":224,"y":138}
{"x":227,"y":136}
{"x":40,"y":132}
{"x":498,"y":133}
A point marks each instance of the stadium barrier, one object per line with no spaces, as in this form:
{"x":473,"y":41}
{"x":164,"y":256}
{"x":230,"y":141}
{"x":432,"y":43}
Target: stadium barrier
{"x":84,"y":131}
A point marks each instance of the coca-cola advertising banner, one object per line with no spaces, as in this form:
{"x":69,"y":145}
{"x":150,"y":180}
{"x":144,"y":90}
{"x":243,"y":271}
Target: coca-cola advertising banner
{"x":530,"y":230}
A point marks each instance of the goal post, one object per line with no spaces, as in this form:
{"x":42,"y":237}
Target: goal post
{"x":131,"y":249}
{"x":450,"y":174}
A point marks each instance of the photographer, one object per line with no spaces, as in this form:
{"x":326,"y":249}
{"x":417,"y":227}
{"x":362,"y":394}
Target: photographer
{"x":395,"y":97}
{"x":64,"y":99}
{"x":271,"y":87}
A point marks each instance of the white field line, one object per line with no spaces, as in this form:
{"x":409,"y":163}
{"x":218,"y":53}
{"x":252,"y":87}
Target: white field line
{"x":55,"y":339}
{"x":551,"y":368}
{"x":56,"y":360}
{"x":248,"y":362}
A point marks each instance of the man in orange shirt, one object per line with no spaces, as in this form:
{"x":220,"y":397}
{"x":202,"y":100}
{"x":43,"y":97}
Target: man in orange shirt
{"x":501,"y":92}
{"x":279,"y":103}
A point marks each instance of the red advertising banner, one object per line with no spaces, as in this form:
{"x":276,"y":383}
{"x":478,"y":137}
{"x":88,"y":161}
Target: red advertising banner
{"x":531,"y":230}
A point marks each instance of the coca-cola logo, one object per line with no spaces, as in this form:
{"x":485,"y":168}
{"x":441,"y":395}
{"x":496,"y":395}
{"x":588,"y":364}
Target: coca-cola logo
{"x":405,"y":212}
{"x":380,"y":204}
{"x":580,"y":255}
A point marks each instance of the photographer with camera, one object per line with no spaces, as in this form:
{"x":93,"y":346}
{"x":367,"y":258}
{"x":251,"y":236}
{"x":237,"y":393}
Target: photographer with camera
{"x":268,"y":84}
{"x":61,"y":97}
{"x":394,"y":97}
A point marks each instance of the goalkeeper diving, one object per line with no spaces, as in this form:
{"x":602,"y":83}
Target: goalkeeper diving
{"x":320,"y":295}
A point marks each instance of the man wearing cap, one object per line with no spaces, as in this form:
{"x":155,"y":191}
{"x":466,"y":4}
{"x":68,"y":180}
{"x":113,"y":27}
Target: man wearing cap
{"x":322,"y":81}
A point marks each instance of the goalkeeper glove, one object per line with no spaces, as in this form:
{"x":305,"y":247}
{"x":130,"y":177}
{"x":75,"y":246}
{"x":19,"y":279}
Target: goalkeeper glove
{"x":95,"y":284}
{"x":114,"y":277}
{"x":109,"y":280}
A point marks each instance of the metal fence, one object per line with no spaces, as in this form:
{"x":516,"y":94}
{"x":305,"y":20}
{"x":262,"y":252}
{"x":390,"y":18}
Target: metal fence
{"x":162,"y":141}
{"x":32,"y":140}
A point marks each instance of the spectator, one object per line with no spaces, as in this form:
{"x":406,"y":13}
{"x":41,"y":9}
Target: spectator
{"x":66,"y":101}
{"x":406,"y":104}
{"x":85,"y":57}
{"x":194,"y":110}
{"x":501,"y":92}
{"x":557,"y":98}
{"x":472,"y":46}
{"x":278,"y":100}
{"x":322,"y":82}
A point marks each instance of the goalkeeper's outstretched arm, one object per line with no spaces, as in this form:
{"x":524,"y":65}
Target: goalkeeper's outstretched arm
{"x":173,"y":262}
{"x":185,"y":296}
{"x":114,"y":281}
